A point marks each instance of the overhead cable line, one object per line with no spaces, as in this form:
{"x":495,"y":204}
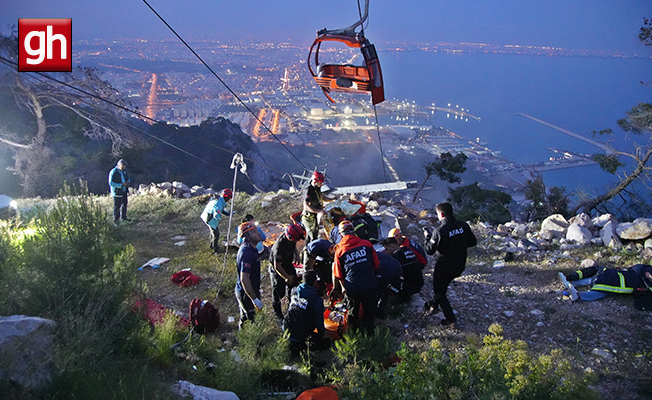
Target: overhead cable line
{"x":100,"y":98}
{"x":225,"y":85}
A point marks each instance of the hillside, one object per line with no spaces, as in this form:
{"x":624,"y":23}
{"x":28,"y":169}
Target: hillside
{"x":608,"y":339}
{"x":524,"y":297}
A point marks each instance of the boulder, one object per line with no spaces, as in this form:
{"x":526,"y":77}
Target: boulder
{"x":601,"y":221}
{"x":197,"y":190}
{"x":641,"y":228}
{"x":648,"y":243}
{"x":520,"y":230}
{"x":165,"y":185}
{"x":180,"y":186}
{"x":583,"y":220}
{"x":26,"y":350}
{"x":609,"y":236}
{"x":578,"y":234}
{"x":503,"y":229}
{"x":556,"y":224}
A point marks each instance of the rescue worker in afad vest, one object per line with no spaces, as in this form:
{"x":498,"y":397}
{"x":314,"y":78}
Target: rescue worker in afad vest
{"x":603,"y":281}
{"x":313,"y":207}
{"x":355,"y":268}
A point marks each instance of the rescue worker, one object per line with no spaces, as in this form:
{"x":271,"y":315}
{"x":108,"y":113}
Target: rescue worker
{"x":313,"y":207}
{"x":416,"y":248}
{"x":213,"y":213}
{"x":305,"y":318}
{"x":603,"y":280}
{"x":262,"y":249}
{"x":388,"y":279}
{"x":451,"y":240}
{"x":320,"y":259}
{"x":412,"y":275}
{"x":247,"y":287}
{"x":354,"y":274}
{"x":119,"y":182}
{"x":282,"y":273}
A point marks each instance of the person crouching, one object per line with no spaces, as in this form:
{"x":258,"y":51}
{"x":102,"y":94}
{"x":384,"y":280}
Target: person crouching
{"x":305,"y":315}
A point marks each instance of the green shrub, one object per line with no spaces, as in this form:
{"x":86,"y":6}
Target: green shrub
{"x":492,"y":369}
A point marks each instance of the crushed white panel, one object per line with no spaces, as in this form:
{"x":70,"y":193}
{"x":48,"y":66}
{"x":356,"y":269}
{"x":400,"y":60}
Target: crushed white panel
{"x":376,"y":187}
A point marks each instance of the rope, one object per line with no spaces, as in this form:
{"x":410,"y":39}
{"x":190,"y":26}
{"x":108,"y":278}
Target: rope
{"x":225,"y":85}
{"x":235,"y":162}
{"x":380,"y":144}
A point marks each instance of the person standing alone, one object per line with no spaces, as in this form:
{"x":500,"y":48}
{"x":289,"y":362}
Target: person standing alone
{"x":119,"y":182}
{"x":213,"y":213}
{"x":451,"y":239}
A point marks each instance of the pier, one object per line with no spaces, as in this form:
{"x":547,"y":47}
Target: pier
{"x":599,"y":145}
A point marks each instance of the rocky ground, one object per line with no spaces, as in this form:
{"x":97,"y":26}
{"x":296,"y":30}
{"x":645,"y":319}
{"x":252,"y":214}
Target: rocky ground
{"x":610,"y":336}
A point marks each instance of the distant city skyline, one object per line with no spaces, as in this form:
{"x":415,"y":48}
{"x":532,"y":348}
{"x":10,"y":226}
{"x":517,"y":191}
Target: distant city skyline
{"x":576,"y":24}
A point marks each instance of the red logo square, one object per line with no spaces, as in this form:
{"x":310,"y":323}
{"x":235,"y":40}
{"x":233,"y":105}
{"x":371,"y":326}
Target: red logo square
{"x":45,"y":45}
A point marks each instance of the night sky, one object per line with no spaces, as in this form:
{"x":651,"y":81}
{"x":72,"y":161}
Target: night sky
{"x":573,"y":24}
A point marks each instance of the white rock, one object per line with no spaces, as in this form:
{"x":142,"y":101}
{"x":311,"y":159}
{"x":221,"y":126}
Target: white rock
{"x":579,"y":234}
{"x":508,"y":313}
{"x":499,"y":264}
{"x":609,"y":236}
{"x":180,"y":186}
{"x":537,"y":312}
{"x":602,"y":220}
{"x":648,"y":243}
{"x":582,"y":220}
{"x":165,"y":185}
{"x":185,"y":389}
{"x":264,"y":204}
{"x":641,"y":228}
{"x":556,"y":224}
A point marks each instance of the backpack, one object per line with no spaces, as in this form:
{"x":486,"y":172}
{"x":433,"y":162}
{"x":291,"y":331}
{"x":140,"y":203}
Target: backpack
{"x":204,"y":316}
{"x":366,"y":227}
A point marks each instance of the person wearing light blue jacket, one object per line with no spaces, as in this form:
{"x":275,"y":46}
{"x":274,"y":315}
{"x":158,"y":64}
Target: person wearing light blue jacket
{"x":213,"y":213}
{"x":119,"y":182}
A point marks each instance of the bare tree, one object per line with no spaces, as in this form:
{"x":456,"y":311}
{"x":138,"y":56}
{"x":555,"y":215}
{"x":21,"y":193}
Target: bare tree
{"x":81,"y":92}
{"x":638,"y":124}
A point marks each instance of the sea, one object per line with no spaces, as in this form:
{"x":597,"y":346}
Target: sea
{"x":579,"y":94}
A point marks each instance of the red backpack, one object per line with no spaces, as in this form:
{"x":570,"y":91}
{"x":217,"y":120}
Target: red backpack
{"x":204,"y":316}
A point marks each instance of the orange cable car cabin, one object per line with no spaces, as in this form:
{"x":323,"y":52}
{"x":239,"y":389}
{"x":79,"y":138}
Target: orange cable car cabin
{"x":346,"y":78}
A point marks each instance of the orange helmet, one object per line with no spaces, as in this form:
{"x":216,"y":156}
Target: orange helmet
{"x":245,"y":227}
{"x":346,"y":227}
{"x":227,"y":194}
{"x":395,"y":233}
{"x":295,"y":232}
{"x":318,"y":177}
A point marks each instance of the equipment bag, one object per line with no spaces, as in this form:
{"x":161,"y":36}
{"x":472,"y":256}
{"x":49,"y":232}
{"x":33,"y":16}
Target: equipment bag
{"x":366,"y":227}
{"x":204,"y":316}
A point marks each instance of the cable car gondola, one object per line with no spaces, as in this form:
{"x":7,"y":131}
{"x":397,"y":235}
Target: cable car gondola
{"x":366,"y":78}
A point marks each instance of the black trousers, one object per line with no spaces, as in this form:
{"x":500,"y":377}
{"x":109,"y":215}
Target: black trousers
{"x":119,"y":207}
{"x":279,"y":290}
{"x":365,"y":302}
{"x":247,"y":307}
{"x":440,"y":283}
{"x":215,"y":238}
